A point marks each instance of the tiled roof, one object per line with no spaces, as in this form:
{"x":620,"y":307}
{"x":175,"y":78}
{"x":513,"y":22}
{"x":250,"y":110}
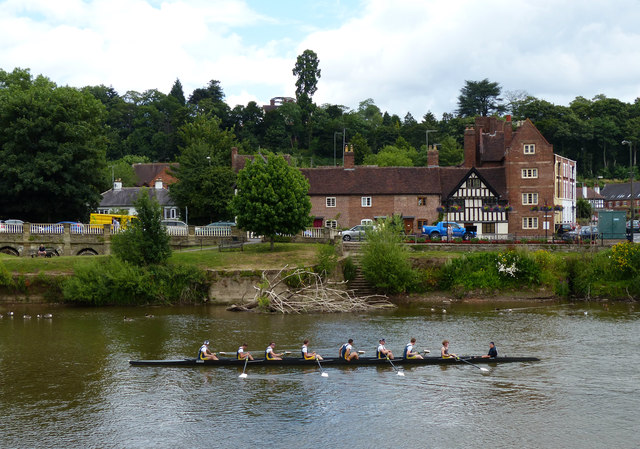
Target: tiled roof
{"x":127,"y":195}
{"x":450,"y":178}
{"x":146,"y":174}
{"x":591,"y":194}
{"x":620,"y":191}
{"x":364,"y":180}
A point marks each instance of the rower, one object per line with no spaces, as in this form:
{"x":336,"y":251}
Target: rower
{"x":269,"y":353}
{"x":345,"y":351}
{"x":493,"y":351}
{"x":409,"y":353}
{"x":205,"y":354}
{"x":243,"y":353}
{"x":382,"y":352}
{"x":444,"y":351}
{"x":305,"y":352}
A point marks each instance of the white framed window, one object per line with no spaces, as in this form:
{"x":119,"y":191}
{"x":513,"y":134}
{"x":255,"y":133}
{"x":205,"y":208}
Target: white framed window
{"x":331,"y":201}
{"x":422,"y":201}
{"x":529,"y":148}
{"x":473,"y":183}
{"x":529,"y":172}
{"x":331,"y":224}
{"x":530,"y":198}
{"x":365,"y":201}
{"x":366,"y":222}
{"x":529,"y":222}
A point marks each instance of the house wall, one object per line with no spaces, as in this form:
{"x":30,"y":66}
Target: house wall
{"x":349,"y":211}
{"x":543,"y":159}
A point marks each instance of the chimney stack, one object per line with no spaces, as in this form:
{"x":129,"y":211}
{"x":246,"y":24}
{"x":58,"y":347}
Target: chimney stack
{"x":508,"y":131}
{"x":159,"y":184}
{"x":469,"y":147}
{"x":117,"y":184}
{"x":349,"y":158}
{"x":433,"y":157}
{"x":584,"y":191}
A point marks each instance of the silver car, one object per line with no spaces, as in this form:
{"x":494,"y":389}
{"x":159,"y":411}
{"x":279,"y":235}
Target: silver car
{"x":356,"y":233}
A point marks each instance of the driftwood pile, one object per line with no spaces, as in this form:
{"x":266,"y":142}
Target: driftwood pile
{"x":303,"y":291}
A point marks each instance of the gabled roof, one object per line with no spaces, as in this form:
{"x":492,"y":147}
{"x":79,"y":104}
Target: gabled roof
{"x":146,"y":174}
{"x":620,"y":191}
{"x":591,"y":194}
{"x":366,"y":180}
{"x":493,"y":178}
{"x":127,"y":195}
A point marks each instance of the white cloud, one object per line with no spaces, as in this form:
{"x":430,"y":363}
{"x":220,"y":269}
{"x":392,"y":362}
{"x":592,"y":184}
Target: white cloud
{"x":409,"y":55}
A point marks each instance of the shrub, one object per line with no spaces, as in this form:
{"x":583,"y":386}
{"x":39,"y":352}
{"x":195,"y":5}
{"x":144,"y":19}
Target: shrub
{"x":326,"y":260}
{"x":349,"y":269}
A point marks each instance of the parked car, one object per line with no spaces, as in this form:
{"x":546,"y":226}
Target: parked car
{"x":174,"y":223}
{"x":564,"y":227}
{"x":75,"y":226}
{"x":589,"y":233}
{"x":439,"y":230}
{"x":636,"y":226}
{"x":358,"y":232}
{"x":221,"y":224}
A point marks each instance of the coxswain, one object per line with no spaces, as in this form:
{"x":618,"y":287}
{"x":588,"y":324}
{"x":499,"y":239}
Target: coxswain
{"x":346,"y":351}
{"x":382,"y":352}
{"x":270,"y":354}
{"x":305,"y":352}
{"x":493,"y":351}
{"x":409,"y":352}
{"x":243,"y":353}
{"x":205,"y":354}
{"x":444,"y":351}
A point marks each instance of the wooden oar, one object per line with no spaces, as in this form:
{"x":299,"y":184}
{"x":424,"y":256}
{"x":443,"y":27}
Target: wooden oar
{"x":399,"y":373}
{"x":244,"y":375}
{"x":472,"y":364}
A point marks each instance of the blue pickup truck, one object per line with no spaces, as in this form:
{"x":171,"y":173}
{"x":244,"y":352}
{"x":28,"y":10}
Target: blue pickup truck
{"x":439,"y":230}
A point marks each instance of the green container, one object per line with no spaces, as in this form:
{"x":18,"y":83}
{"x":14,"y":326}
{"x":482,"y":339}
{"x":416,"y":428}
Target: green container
{"x":612,"y":224}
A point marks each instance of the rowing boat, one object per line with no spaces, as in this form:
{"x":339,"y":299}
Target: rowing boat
{"x":363,"y":361}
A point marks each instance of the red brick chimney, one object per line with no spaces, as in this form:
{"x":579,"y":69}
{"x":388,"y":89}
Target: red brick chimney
{"x":508,"y":130}
{"x":470,"y":147}
{"x":349,"y":158}
{"x":433,"y":157}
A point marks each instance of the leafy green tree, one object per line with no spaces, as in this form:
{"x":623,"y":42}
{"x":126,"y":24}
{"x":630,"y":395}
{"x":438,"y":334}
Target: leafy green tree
{"x":123,"y":169}
{"x":583,"y":208}
{"x":52,"y":149}
{"x":451,"y":153}
{"x":205,"y":178}
{"x":385,"y":262}
{"x":210,"y":100}
{"x":308,"y":73}
{"x":145,"y":241}
{"x":392,"y":156}
{"x":480,"y":98}
{"x":272,"y":198}
{"x":177,"y":92}
{"x":361,"y":149}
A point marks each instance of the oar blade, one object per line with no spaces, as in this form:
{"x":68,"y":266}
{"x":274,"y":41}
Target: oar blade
{"x":324,"y":374}
{"x":484,"y":369}
{"x":401,"y":373}
{"x":243,"y":376}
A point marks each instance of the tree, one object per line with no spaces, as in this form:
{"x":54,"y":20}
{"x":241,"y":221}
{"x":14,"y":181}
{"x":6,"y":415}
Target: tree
{"x":177,"y":92}
{"x":205,"y":178}
{"x":272,"y":198}
{"x":480,"y":98}
{"x":451,"y":153}
{"x":145,"y":241}
{"x":52,"y":149}
{"x":308,"y":73}
{"x":583,"y":208}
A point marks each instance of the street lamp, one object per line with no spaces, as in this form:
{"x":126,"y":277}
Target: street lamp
{"x":627,"y":142}
{"x":334,"y":146}
{"x":427,"y":133}
{"x":209,"y":159}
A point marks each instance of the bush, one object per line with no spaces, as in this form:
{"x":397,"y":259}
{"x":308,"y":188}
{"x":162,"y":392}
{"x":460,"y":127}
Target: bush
{"x":349,"y":269}
{"x":385,"y":262}
{"x":326,"y":260}
{"x":115,"y":282}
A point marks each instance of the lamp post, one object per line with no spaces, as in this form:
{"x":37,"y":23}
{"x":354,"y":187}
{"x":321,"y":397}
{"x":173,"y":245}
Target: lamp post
{"x":627,"y":142}
{"x":427,"y":134}
{"x":334,"y":146}
{"x":209,"y":159}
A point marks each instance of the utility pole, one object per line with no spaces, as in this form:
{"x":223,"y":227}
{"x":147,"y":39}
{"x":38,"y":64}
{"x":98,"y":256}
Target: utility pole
{"x":427,"y":133}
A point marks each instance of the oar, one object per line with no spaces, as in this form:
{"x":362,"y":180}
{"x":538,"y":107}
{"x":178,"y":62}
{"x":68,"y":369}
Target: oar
{"x":324,"y":374}
{"x":399,"y":373}
{"x":244,"y":375}
{"x":472,"y":364}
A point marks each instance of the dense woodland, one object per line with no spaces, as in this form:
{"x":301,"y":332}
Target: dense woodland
{"x":61,"y":146}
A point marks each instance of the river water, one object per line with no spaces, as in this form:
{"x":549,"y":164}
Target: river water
{"x":65,"y":382}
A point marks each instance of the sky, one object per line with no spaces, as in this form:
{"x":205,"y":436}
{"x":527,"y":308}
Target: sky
{"x":407,"y":55}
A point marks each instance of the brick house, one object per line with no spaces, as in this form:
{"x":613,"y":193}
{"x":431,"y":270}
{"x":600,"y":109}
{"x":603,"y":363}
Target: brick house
{"x":618,"y":196}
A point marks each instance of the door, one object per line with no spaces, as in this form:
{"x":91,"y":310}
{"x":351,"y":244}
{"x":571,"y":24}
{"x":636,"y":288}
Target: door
{"x":408,"y":225}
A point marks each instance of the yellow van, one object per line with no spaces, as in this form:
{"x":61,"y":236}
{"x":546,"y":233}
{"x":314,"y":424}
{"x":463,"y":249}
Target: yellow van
{"x":121,"y":220}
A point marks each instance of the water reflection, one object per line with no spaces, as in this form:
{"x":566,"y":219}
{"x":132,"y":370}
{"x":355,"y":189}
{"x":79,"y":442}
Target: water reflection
{"x":66,"y":382}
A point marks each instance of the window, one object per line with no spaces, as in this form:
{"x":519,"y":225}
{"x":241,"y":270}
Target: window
{"x":529,"y":172}
{"x":529,"y":198}
{"x":331,"y":224}
{"x":365,"y":201}
{"x":366,"y":222}
{"x":529,"y":222}
{"x":473,"y":183}
{"x":488,"y":228}
{"x":422,"y":201}
{"x":331,"y":201}
{"x":422,"y":222}
{"x":529,"y":148}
